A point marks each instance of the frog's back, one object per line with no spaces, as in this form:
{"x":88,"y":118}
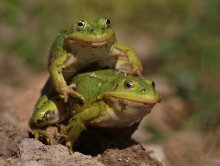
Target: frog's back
{"x":92,"y":84}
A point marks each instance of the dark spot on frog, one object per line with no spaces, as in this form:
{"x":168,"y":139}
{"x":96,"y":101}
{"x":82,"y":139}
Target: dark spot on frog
{"x":77,"y":121}
{"x":123,"y":104}
{"x":39,"y":121}
{"x":48,"y":115}
{"x":69,"y":127}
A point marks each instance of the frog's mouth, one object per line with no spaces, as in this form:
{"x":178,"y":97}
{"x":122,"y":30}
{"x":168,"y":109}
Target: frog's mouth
{"x":126,"y":103}
{"x":92,"y":40}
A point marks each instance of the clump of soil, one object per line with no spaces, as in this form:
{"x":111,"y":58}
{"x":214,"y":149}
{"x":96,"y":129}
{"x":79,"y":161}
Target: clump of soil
{"x":10,"y":137}
{"x":33,"y":152}
{"x":134,"y":155}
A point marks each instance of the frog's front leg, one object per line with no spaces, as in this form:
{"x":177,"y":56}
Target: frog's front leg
{"x":127,"y":57}
{"x":61,"y":60}
{"x":47,"y":112}
{"x":78,"y":123}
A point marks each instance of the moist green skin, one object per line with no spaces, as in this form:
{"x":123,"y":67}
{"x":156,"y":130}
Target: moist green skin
{"x":111,"y":99}
{"x":76,"y":48}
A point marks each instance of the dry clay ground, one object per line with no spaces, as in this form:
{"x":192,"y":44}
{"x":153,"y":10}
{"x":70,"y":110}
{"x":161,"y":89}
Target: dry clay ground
{"x":20,"y":90}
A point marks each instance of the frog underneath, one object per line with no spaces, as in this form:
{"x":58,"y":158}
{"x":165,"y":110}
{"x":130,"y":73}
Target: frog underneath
{"x":87,"y":46}
{"x":112,"y":100}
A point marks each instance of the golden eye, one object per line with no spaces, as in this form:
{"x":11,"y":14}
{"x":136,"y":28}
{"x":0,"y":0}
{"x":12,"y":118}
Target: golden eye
{"x":81,"y":25}
{"x":128,"y":84}
{"x":107,"y":22}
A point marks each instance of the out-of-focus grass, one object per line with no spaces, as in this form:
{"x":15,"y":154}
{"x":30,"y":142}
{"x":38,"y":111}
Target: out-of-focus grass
{"x":191,"y":60}
{"x":157,"y":134}
{"x":187,"y":35}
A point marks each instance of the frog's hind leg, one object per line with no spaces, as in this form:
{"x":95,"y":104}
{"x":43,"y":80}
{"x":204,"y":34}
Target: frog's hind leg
{"x":47,"y":112}
{"x":78,"y":123}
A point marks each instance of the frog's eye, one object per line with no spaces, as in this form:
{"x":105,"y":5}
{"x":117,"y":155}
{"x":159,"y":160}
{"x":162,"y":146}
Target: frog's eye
{"x":81,"y":25}
{"x":107,"y":22}
{"x":153,"y":84}
{"x":128,"y":84}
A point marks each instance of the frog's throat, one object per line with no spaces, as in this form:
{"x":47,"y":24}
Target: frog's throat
{"x":94,"y":41}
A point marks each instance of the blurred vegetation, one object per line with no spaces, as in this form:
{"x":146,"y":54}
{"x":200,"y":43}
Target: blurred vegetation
{"x":157,"y":134}
{"x":187,"y":35}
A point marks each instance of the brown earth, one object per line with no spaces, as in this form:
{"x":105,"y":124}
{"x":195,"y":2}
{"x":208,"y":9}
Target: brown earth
{"x":17,"y":149}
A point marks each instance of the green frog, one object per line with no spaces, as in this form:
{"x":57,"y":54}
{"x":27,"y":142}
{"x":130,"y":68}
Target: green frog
{"x":111,"y":100}
{"x":87,"y":46}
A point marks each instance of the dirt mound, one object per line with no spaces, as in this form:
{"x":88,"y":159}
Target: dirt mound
{"x":134,"y":155}
{"x":18,"y":150}
{"x":33,"y":152}
{"x":10,"y":137}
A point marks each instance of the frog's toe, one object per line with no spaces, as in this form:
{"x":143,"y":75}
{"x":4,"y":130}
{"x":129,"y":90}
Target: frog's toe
{"x":75,"y":93}
{"x":42,"y":136}
{"x":137,"y":70}
{"x":72,"y":86}
{"x":65,"y":96}
{"x":64,"y":141}
{"x":70,"y":147}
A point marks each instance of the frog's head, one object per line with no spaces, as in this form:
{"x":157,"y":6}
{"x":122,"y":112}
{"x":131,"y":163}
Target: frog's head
{"x":96,"y":33}
{"x":136,"y":90}
{"x":129,"y":100}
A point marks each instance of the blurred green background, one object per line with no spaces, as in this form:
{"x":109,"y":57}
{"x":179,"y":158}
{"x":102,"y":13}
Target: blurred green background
{"x":184,"y":39}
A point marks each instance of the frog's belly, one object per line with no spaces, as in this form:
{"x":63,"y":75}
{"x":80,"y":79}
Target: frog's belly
{"x":89,"y":65}
{"x":89,"y":58}
{"x":117,"y":116}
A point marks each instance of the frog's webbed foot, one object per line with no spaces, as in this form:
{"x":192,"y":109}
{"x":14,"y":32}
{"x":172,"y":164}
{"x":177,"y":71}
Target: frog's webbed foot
{"x":42,"y":136}
{"x":68,"y":144}
{"x":135,"y":71}
{"x":71,"y":89}
{"x":70,"y":147}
